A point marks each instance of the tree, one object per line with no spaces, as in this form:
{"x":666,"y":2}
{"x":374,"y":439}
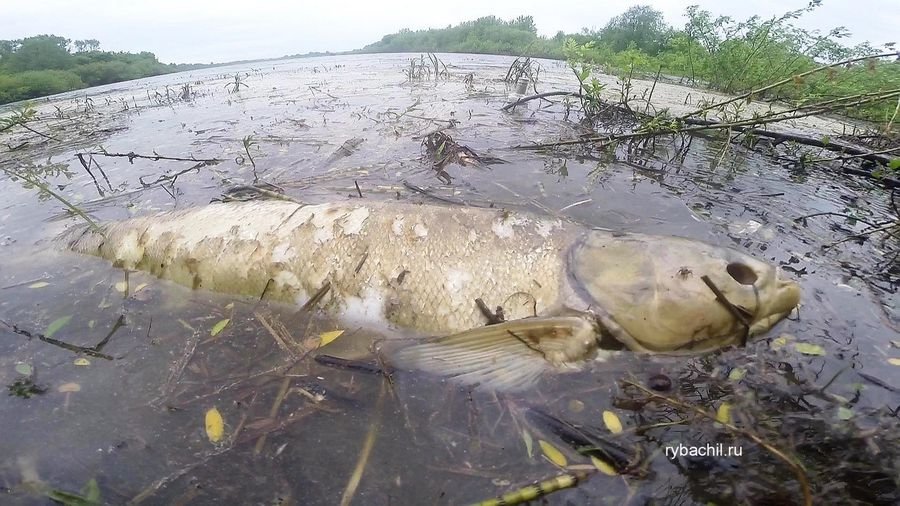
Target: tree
{"x":640,"y":25}
{"x":41,"y":52}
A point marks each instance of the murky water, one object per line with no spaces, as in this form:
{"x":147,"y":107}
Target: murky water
{"x":296,"y":429}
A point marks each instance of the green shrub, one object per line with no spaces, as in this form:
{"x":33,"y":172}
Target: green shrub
{"x":37,"y":83}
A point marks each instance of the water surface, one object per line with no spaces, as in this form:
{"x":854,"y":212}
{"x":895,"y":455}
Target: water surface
{"x":295,"y":429}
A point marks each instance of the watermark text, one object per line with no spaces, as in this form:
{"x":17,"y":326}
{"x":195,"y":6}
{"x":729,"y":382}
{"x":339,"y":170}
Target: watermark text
{"x":707,"y":450}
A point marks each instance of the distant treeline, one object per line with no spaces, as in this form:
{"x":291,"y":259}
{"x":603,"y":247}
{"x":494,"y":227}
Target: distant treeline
{"x":716,"y":52}
{"x":48,"y":64}
{"x":487,"y":35}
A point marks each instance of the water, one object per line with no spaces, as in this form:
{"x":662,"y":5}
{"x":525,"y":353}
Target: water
{"x":136,"y":425}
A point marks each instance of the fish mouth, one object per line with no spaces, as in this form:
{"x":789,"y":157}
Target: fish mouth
{"x":787,"y":297}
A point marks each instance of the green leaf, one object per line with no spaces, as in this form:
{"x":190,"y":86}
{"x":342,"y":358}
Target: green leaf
{"x":24,"y":369}
{"x":218,"y":327}
{"x":894,"y":164}
{"x":91,"y":491}
{"x":57,"y":324}
{"x":844,"y":413}
{"x":72,"y":499}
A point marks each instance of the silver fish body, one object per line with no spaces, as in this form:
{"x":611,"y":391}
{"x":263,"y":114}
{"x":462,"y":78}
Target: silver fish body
{"x":421,"y":267}
{"x":415,"y":266}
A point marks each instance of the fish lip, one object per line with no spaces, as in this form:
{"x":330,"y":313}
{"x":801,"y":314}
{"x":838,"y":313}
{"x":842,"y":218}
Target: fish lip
{"x":787,"y":296}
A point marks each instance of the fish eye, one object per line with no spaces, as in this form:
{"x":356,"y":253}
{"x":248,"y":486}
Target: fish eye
{"x":741,"y":273}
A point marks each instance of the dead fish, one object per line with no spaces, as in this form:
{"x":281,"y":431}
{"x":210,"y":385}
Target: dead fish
{"x":563,"y":288}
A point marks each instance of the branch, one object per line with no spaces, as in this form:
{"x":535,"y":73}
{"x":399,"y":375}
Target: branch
{"x":93,"y":351}
{"x":785,"y":81}
{"x":541,"y":95}
{"x":155,"y":157}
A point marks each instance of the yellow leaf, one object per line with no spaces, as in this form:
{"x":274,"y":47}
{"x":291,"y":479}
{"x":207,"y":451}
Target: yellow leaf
{"x":737,"y":374}
{"x":781,"y":341}
{"x":894,"y":361}
{"x":612,"y":422}
{"x":140,"y":287}
{"x":39,"y":284}
{"x":809,"y":349}
{"x":529,"y":443}
{"x":327,"y":337}
{"x":218,"y":327}
{"x":576,"y":406}
{"x":121,"y":286}
{"x":215,"y":426}
{"x":603,"y":467}
{"x":82,"y":361}
{"x":723,"y":414}
{"x":552,"y":454}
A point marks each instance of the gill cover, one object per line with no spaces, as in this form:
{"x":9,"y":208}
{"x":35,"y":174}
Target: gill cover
{"x":651,"y":287}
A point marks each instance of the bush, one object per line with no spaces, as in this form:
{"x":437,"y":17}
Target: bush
{"x":37,"y":83}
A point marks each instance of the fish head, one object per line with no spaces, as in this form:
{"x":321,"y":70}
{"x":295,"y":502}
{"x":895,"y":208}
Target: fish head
{"x":661,"y":290}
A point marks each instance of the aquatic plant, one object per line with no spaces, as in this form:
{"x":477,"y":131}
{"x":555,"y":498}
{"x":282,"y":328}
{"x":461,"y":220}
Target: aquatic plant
{"x":420,"y":70}
{"x":522,"y":72}
{"x":590,"y":88}
{"x":35,"y":176}
{"x":235,"y":86}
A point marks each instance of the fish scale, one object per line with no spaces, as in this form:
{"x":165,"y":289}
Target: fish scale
{"x":563,"y":288}
{"x":229,"y":248}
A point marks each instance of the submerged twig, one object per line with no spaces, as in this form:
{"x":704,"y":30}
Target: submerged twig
{"x":155,"y":157}
{"x":791,"y":462}
{"x":738,"y":315}
{"x":493,"y":317}
{"x":368,"y":444}
{"x":276,"y":405}
{"x":46,"y":189}
{"x":541,"y":95}
{"x":280,"y":340}
{"x":91,"y":351}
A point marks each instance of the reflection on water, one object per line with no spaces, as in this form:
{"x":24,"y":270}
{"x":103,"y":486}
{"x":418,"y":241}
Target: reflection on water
{"x":295,"y":430}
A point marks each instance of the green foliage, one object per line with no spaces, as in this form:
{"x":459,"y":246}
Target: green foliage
{"x":717,"y":52}
{"x":487,"y":35}
{"x":641,"y":27}
{"x":25,"y":113}
{"x":41,"y":52}
{"x":44,"y":65}
{"x":580,"y":58}
{"x":37,"y":83}
{"x":736,"y":57}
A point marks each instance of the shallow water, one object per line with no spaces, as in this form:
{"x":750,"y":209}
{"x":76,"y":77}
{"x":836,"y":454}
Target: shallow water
{"x":137,"y":423}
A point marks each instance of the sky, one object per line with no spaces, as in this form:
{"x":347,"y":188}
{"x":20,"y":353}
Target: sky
{"x":203,"y":31}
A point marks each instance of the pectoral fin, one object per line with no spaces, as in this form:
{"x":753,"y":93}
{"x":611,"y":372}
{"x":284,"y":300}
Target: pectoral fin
{"x":508,"y":356}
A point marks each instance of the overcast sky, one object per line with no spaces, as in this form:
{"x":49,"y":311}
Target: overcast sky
{"x":186,"y":31}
